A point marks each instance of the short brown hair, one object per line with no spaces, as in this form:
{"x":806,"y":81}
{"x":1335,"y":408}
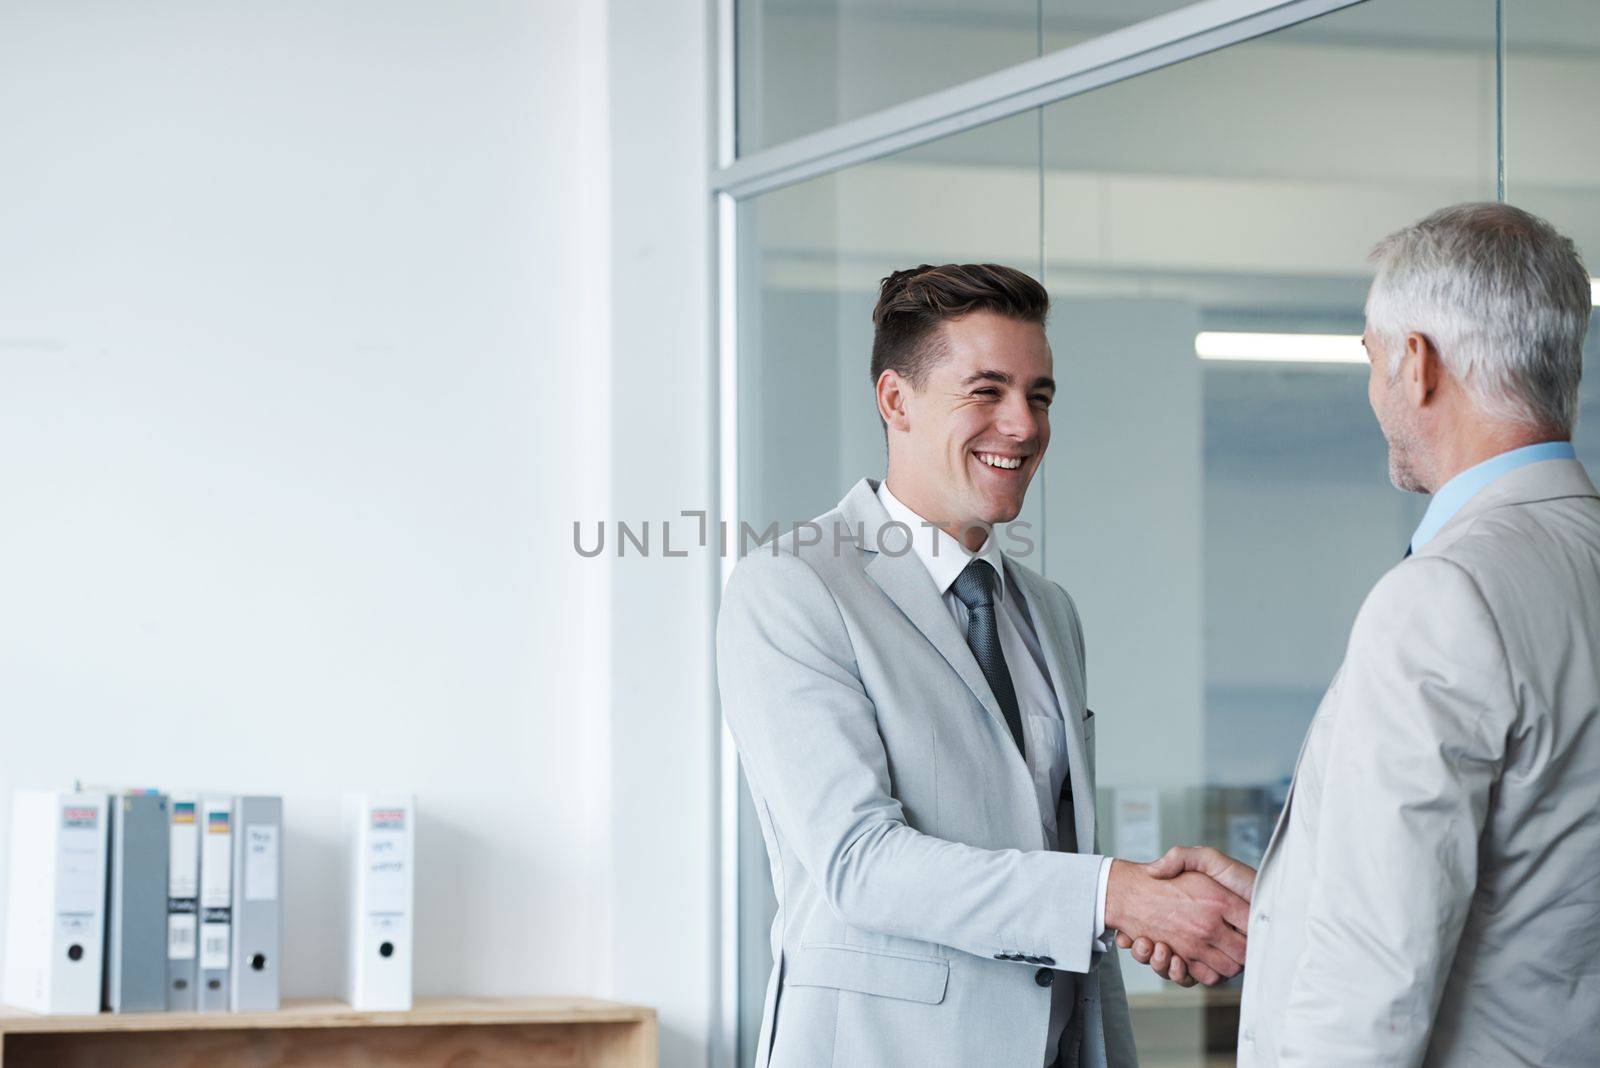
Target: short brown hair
{"x":912,"y":304}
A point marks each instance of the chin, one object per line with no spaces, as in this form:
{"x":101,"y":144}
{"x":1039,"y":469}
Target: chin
{"x":1406,"y":482}
{"x":1001,"y":512}
{"x":1402,"y":476}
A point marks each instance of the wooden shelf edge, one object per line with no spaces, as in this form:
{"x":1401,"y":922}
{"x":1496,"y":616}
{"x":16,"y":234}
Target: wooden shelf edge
{"x":329,"y":1012}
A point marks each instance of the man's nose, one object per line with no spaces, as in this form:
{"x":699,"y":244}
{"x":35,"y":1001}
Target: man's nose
{"x":1015,"y":419}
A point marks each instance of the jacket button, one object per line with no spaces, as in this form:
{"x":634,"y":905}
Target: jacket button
{"x":1048,"y":960}
{"x":1002,"y":956}
{"x":1033,"y":960}
{"x":1044,"y":977}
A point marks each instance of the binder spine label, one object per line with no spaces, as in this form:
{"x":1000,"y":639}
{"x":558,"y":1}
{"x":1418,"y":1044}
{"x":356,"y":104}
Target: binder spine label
{"x":261,"y":862}
{"x":214,"y":941}
{"x":183,"y":861}
{"x":80,"y":892}
{"x":387,"y":877}
{"x":181,"y":935}
{"x":216,"y":866}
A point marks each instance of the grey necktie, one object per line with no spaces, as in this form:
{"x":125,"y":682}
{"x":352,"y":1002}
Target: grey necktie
{"x":974,"y":587}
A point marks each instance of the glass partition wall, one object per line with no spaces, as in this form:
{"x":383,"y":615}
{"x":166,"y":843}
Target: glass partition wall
{"x":1242,"y":507}
{"x":1216,"y":495}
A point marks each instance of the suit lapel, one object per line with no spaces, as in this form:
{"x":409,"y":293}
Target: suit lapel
{"x":1059,"y":661}
{"x":907,"y":583}
{"x":1283,"y":813}
{"x":1294,"y":779}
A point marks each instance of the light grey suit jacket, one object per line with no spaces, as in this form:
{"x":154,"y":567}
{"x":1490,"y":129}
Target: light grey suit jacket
{"x":904,"y":833}
{"x":1432,"y":892}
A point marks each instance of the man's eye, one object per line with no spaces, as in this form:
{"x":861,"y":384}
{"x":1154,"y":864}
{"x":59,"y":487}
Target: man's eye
{"x":989,"y":391}
{"x":1041,"y":399}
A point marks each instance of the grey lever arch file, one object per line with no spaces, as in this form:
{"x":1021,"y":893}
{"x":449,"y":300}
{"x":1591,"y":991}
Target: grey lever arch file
{"x":257,"y":904}
{"x":136,"y":904}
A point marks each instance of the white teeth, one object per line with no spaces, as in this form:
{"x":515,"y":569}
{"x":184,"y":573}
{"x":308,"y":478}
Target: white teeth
{"x":1008,"y":463}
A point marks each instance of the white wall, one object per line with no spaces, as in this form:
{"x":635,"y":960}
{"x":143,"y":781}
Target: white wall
{"x":664,"y":717}
{"x":302,"y":379}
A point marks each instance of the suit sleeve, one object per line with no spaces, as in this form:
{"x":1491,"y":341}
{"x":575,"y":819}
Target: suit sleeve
{"x":1418,"y":740}
{"x":808,"y":737}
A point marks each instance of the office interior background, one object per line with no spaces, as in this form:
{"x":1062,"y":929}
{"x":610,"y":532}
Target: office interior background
{"x":322,"y":325}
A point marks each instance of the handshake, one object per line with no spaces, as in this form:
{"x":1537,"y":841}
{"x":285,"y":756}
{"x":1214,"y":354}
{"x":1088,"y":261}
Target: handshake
{"x":1185,"y":915}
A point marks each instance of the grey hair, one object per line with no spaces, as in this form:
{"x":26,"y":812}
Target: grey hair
{"x":1504,"y":298}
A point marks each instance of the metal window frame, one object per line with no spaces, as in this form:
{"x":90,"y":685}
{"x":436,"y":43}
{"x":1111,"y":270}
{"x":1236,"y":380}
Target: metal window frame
{"x":1199,"y":28}
{"x":1138,"y":49}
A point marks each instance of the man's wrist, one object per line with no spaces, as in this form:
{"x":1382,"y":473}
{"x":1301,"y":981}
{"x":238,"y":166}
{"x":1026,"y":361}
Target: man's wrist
{"x":1100,"y":925}
{"x":1117,"y":875}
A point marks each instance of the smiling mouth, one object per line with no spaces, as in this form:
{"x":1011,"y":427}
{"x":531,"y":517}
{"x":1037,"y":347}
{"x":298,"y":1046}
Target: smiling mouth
{"x":999,"y":462}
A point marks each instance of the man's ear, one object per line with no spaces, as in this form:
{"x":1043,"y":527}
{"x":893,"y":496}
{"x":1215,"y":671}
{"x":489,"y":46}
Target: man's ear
{"x":893,"y":392}
{"x":1423,"y":370}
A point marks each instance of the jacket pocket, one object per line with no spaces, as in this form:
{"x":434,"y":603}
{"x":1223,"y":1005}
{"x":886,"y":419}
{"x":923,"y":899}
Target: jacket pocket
{"x":869,"y":971}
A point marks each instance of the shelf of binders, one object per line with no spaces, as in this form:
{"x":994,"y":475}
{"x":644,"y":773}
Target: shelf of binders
{"x":541,"y":1032}
{"x":140,"y":901}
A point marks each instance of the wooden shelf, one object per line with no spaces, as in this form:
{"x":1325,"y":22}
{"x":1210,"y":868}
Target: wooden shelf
{"x":568,"y":1032}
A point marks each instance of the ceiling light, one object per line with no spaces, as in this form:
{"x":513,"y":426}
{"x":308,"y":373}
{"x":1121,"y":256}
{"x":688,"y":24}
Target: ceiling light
{"x":1280,"y":348}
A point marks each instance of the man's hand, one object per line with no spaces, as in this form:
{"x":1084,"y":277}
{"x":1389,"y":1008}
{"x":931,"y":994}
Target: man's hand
{"x":1237,"y":877}
{"x":1202,"y":921}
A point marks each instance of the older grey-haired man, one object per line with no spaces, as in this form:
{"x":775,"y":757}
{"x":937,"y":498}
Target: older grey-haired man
{"x":1432,"y":892}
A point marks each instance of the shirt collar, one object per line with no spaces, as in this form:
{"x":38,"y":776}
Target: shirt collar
{"x":942,"y":555}
{"x":1453,"y":495}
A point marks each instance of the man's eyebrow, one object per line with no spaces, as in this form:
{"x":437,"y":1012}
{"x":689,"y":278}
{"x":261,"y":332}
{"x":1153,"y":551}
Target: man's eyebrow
{"x":1045,"y":382}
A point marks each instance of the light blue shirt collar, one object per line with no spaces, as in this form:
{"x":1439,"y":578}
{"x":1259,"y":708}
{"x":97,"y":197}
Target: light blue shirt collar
{"x":1465,"y":486}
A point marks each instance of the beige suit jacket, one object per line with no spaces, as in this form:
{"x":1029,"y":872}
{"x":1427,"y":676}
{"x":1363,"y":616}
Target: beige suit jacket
{"x":1432,"y":892}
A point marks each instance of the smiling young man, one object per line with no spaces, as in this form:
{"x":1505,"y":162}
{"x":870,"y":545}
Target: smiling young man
{"x":909,"y":706}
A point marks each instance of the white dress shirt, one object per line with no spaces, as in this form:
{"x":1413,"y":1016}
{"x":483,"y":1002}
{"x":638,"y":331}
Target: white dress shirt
{"x":1044,"y":730}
